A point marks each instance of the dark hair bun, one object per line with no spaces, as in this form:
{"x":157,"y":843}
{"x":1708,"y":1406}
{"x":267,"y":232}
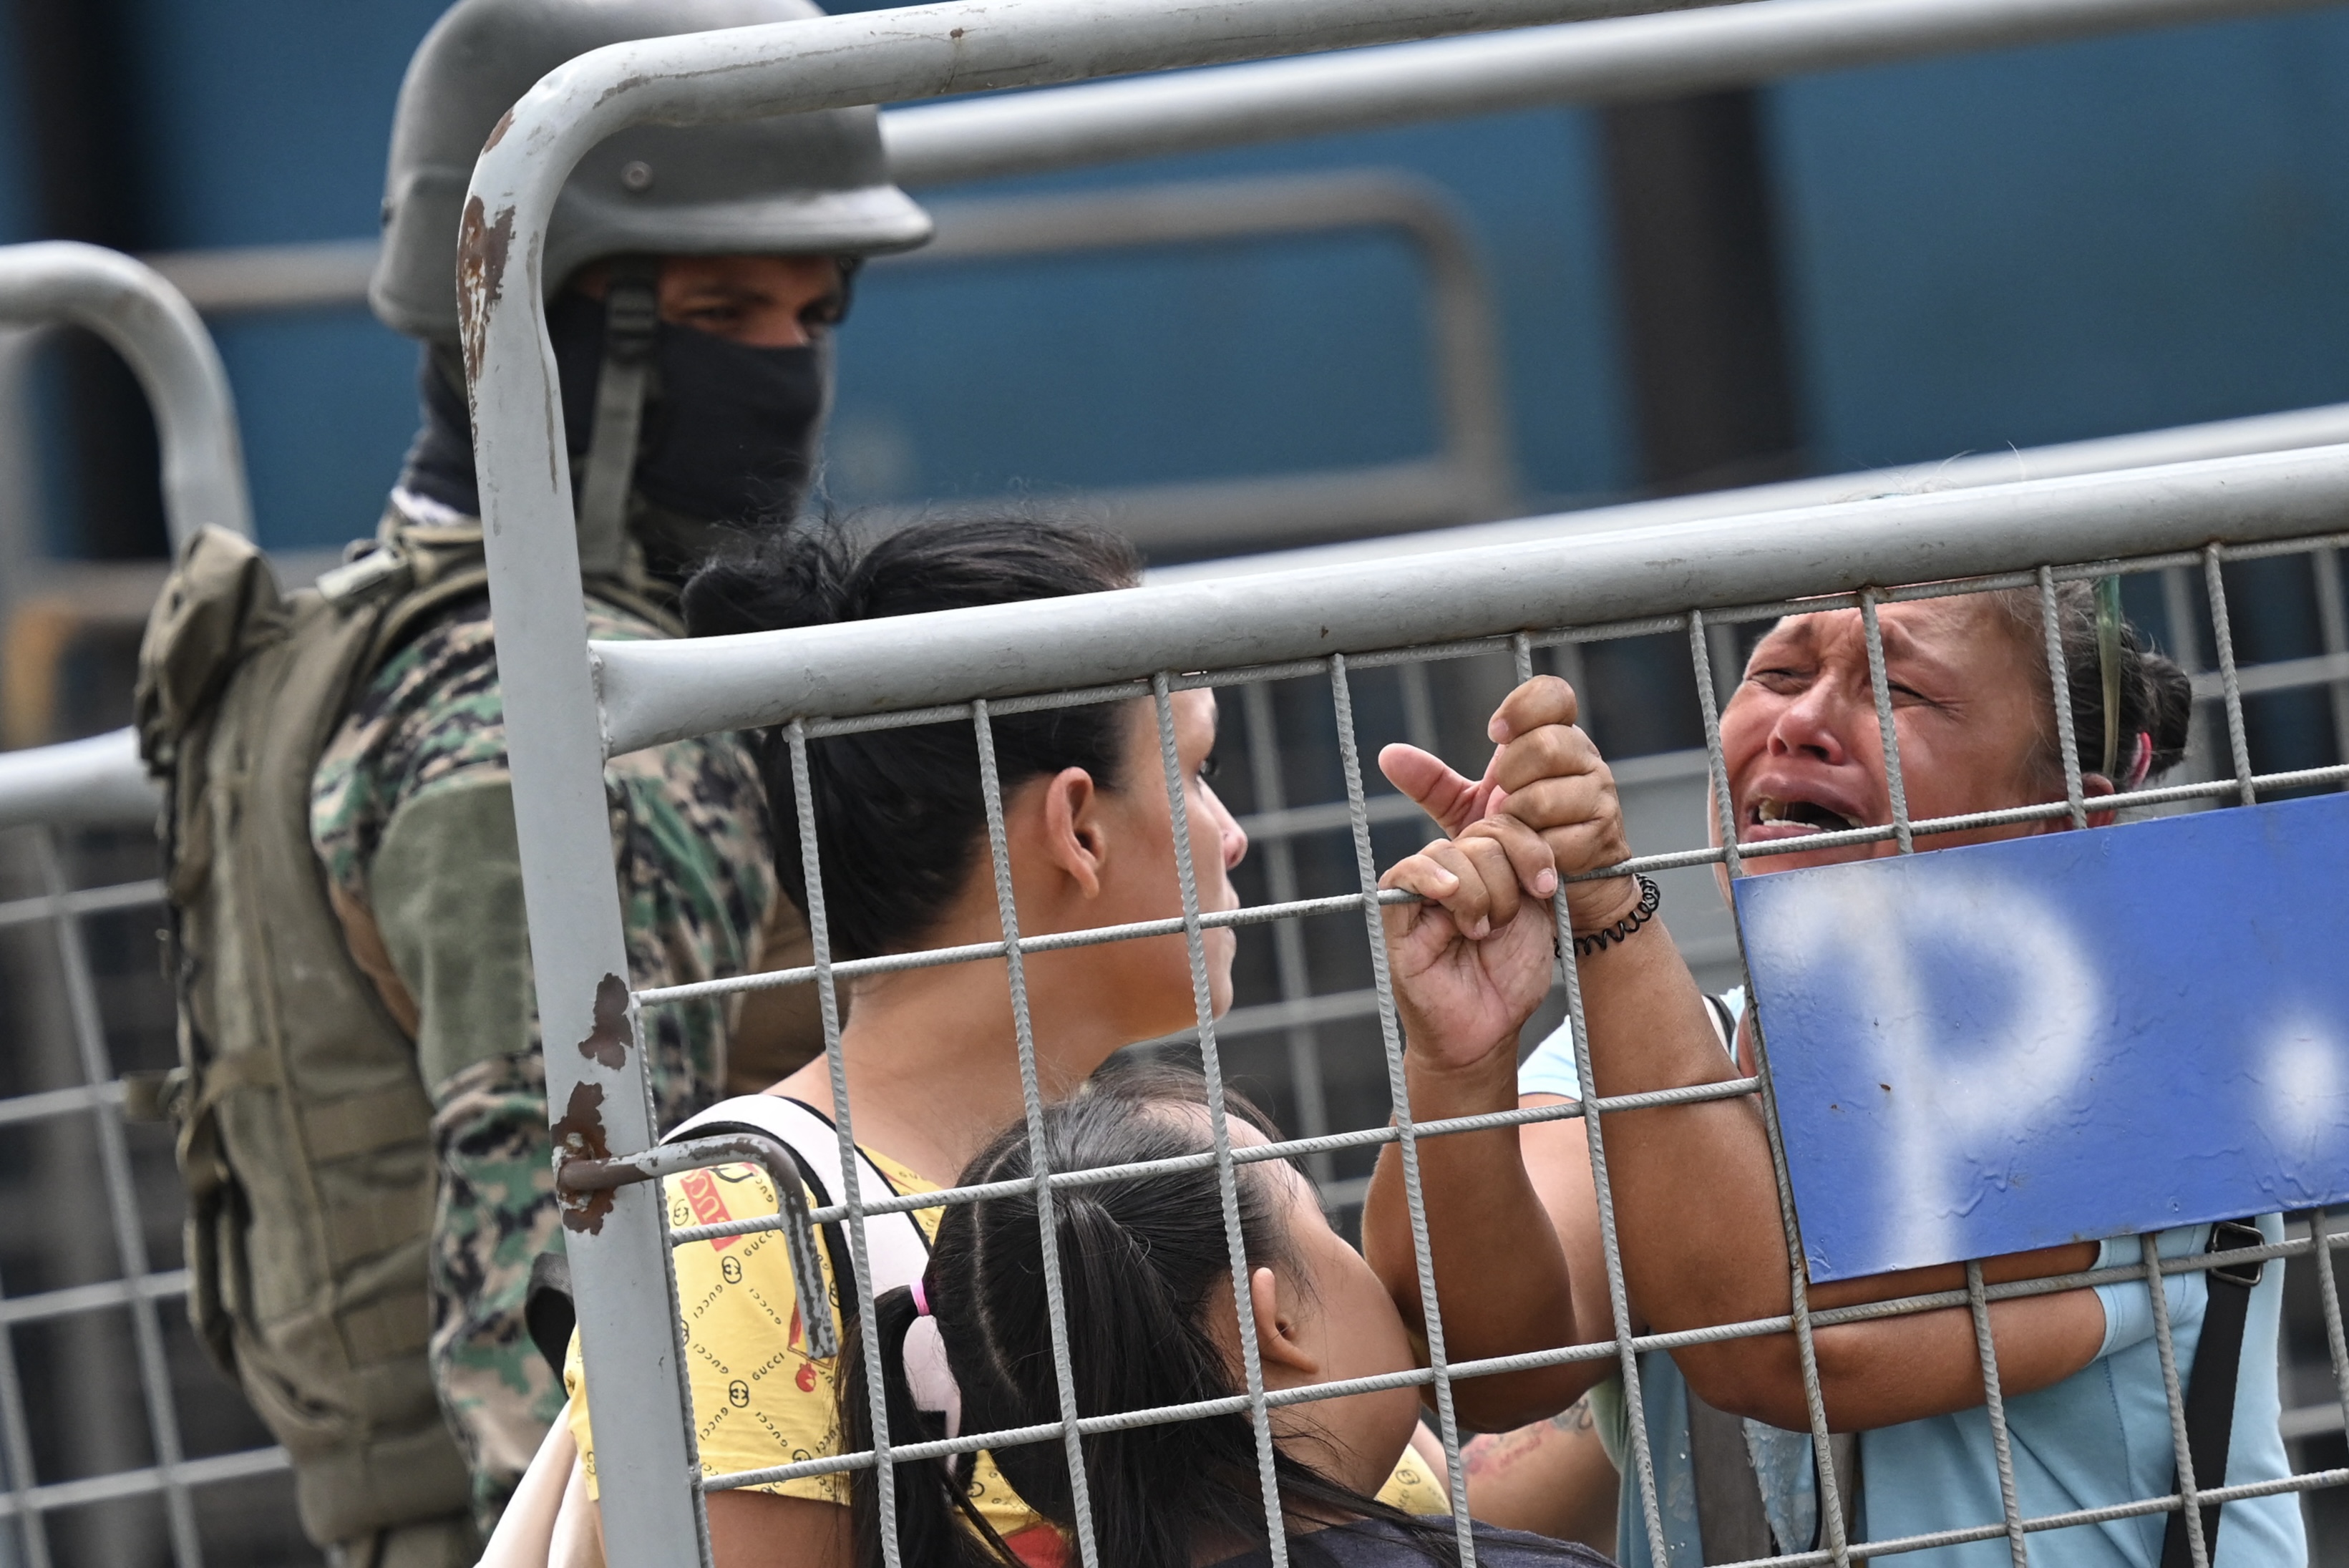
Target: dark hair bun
{"x":2156,"y":697}
{"x":899,"y":817}
{"x":780,"y":578}
{"x":2165,"y":697}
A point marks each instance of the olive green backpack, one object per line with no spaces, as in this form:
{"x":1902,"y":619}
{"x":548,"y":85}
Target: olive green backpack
{"x":304,"y":1129}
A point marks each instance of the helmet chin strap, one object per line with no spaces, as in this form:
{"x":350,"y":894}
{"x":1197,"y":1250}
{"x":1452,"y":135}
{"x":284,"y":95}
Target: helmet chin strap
{"x":631,"y":312}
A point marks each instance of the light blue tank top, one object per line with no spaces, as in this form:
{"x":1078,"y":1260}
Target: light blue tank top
{"x":2101,"y":1436}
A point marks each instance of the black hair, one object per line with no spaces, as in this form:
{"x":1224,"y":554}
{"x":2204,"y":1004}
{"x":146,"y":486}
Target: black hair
{"x":2156,"y":697}
{"x":1139,"y":1258}
{"x":900,"y":822}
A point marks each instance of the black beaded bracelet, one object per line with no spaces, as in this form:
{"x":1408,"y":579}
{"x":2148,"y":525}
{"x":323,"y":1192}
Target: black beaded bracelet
{"x":1597,"y":941}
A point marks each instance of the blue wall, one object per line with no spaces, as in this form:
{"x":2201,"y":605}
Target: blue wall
{"x":2071,"y":242}
{"x":16,"y":216}
{"x":2021,"y":247}
{"x":265,"y":122}
{"x":1192,"y":364}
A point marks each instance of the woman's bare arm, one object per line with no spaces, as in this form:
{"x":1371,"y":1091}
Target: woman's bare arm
{"x":1694,"y":1196}
{"x":579,"y":1529}
{"x":760,"y":1530}
{"x":1552,"y":1478}
{"x":525,"y":1529}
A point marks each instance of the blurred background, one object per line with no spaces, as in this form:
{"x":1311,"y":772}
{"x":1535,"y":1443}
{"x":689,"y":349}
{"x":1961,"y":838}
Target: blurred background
{"x":1830,"y":275}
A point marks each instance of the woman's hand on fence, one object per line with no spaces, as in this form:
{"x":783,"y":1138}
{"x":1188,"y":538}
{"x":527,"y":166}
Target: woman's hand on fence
{"x":1470,"y":961}
{"x":1546,"y":774}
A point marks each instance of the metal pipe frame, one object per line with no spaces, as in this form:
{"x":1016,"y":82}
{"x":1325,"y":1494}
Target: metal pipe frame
{"x":1472,"y":478}
{"x":2325,"y":426}
{"x":656,"y":692}
{"x":828,"y":673}
{"x":95,"y":782}
{"x":101,"y":781}
{"x":554,"y":737}
{"x":904,"y":708}
{"x":154,"y":328}
{"x":1596,"y":62}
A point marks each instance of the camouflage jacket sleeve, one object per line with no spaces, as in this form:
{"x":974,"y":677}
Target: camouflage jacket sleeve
{"x":412,"y":820}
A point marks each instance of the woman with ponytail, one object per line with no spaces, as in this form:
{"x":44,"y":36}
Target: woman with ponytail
{"x":1148,"y":1301}
{"x":931,"y":1054}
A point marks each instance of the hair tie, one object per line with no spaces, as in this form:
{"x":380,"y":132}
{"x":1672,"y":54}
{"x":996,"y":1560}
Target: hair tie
{"x":930,"y":1377}
{"x":2111,"y":640}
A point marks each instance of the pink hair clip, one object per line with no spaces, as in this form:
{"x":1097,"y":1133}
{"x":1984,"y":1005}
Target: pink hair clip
{"x":930,"y":1377}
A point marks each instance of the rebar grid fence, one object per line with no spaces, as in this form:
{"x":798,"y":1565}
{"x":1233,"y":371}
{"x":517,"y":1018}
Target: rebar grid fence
{"x":1436,"y":694}
{"x":116,"y":1443}
{"x":1302,"y":1035}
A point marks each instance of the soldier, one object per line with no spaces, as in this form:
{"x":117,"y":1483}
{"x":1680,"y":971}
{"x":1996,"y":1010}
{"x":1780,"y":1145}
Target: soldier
{"x":362,"y":1105}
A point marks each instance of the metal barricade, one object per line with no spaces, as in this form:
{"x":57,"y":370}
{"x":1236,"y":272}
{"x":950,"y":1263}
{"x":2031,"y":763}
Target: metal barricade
{"x":1428,"y":612}
{"x":1832,"y":33}
{"x":1608,"y":61}
{"x":113,"y":1423}
{"x":47,"y":604}
{"x":1469,"y":479}
{"x":569,"y":714}
{"x":153,"y":326}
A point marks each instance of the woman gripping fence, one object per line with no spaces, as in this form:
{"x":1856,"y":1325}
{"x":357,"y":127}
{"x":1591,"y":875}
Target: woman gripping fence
{"x":1971,"y":693}
{"x":931,"y":1052}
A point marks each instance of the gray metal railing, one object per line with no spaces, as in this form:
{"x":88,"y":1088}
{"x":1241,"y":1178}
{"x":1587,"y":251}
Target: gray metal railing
{"x":1470,"y":477}
{"x":554,"y":734}
{"x":1350,"y":91}
{"x":1604,"y":61}
{"x":1134,"y":644}
{"x":1508,"y":605}
{"x":648,"y":693}
{"x":153,"y":328}
{"x":100,"y":783}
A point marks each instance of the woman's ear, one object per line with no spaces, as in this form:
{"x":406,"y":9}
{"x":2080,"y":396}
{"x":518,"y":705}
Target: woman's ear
{"x":1277,"y":1341}
{"x":1075,"y":838}
{"x":2092,"y":786}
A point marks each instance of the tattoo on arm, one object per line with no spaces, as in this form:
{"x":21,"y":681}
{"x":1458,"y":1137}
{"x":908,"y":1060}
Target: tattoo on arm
{"x":1495,"y":1452}
{"x":1574,"y":1417}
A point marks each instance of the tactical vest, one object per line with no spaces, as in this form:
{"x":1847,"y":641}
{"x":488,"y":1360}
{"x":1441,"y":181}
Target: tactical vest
{"x":304,"y":1126}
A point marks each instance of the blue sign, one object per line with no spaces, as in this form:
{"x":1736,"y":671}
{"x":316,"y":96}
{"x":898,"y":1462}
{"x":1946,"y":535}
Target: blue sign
{"x":2000,"y":1046}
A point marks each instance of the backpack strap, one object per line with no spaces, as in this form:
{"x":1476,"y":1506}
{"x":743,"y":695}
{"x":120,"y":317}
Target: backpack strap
{"x":895,"y":1244}
{"x":2210,"y":1387}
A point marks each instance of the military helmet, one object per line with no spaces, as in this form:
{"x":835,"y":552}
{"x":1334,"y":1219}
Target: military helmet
{"x":805,"y":184}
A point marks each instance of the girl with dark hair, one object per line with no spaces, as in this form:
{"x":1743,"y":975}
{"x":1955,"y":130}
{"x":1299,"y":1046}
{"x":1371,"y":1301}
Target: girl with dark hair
{"x":1149,"y":1308}
{"x":2086,"y":1416}
{"x":931,"y":1052}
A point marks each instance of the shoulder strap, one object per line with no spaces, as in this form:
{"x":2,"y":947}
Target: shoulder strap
{"x":2210,"y":1387}
{"x":1725,"y":1022}
{"x":895,"y":1244}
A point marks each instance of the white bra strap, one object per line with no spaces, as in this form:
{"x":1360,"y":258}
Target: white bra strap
{"x":896,"y":1251}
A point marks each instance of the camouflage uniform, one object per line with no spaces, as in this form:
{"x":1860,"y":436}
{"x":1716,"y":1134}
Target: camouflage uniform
{"x":411,"y":818}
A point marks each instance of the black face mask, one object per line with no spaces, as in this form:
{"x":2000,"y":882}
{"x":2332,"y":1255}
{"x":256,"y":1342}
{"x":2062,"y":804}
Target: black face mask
{"x":730,"y":431}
